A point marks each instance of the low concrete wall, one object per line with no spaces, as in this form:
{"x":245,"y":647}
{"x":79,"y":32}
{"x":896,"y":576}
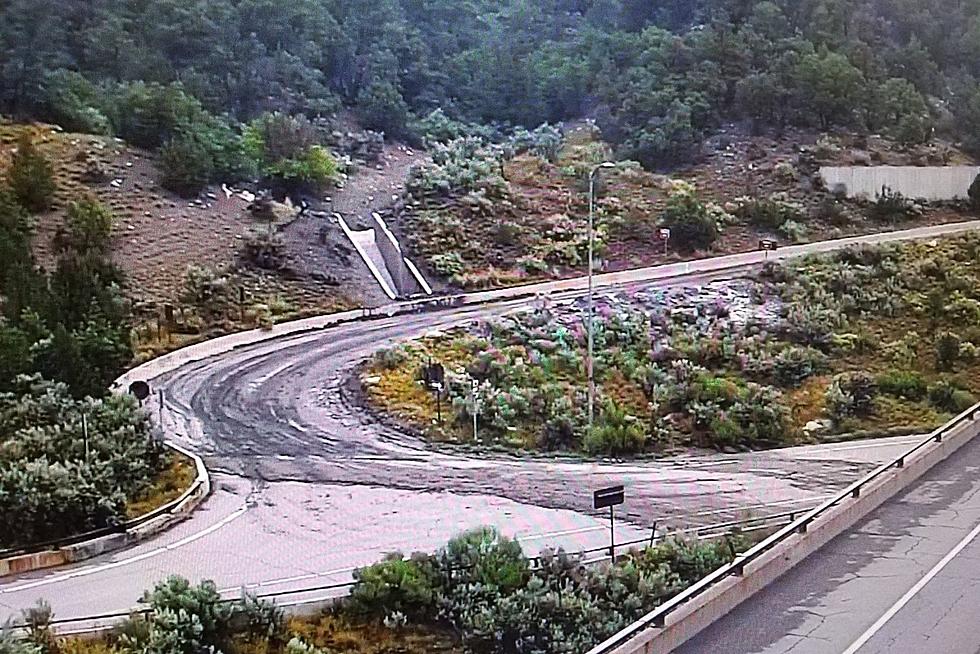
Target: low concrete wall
{"x":920,"y":182}
{"x":689,"y":620}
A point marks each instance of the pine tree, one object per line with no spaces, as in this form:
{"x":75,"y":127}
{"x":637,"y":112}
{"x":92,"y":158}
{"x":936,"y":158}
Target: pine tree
{"x":31,"y":177}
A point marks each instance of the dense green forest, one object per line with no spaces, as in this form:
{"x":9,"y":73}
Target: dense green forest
{"x":657,"y":75}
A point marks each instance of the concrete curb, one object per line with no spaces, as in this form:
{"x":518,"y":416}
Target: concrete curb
{"x":687,"y":621}
{"x":136,"y":530}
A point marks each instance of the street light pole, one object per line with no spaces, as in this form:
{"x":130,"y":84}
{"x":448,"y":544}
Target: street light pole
{"x":589,"y":362}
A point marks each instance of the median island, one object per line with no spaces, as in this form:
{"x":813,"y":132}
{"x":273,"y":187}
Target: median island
{"x":864,"y":342}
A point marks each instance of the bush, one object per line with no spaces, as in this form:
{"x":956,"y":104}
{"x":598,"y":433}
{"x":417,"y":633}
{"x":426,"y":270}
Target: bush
{"x":315,"y":167}
{"x":397,"y":585}
{"x":31,"y":177}
{"x":794,"y":365}
{"x":769,"y":213}
{"x":285,"y":149}
{"x":437,"y":127}
{"x":381,"y":107}
{"x":891,"y":207}
{"x":87,"y":229}
{"x":390,"y":358}
{"x":950,"y":397}
{"x":974,"y":193}
{"x":545,"y":142}
{"x":48,"y":489}
{"x":947,"y":350}
{"x":74,"y":103}
{"x":265,"y":249}
{"x":903,"y":383}
{"x":186,"y":164}
{"x":692,"y":224}
{"x":149,"y":115}
{"x":615,"y":432}
{"x":851,"y":394}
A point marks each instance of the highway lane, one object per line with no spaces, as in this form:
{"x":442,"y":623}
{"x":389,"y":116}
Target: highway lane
{"x":308,"y":486}
{"x":905,"y":580}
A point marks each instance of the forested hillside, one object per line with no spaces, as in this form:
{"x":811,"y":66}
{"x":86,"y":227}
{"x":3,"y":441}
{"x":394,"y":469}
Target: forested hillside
{"x":657,"y":75}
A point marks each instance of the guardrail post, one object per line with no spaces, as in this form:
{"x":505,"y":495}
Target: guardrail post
{"x":856,"y":493}
{"x":939,"y":438}
{"x":801,"y":529}
{"x":900,"y":463}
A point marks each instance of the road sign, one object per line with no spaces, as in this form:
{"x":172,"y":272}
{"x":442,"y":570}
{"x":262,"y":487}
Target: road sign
{"x":663,"y":234}
{"x":140,"y":389}
{"x":768,"y":244}
{"x":609,"y":497}
{"x":434,"y":374}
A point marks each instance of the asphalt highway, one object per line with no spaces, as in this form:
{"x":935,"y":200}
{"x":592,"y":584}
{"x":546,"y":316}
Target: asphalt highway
{"x":308,"y":486}
{"x":905,"y":580}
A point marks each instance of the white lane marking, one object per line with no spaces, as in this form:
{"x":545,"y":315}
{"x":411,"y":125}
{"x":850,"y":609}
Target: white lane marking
{"x":866,"y":446}
{"x":748,"y":507}
{"x":84,"y":572}
{"x":566,"y":532}
{"x":288,"y":580}
{"x":897,"y":606}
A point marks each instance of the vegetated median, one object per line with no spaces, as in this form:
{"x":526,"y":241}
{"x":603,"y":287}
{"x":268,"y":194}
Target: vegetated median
{"x":870,"y":340}
{"x":479,"y":594}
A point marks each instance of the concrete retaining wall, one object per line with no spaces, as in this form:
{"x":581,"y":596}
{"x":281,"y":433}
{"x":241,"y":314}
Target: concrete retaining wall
{"x":920,"y":182}
{"x":690,"y":619}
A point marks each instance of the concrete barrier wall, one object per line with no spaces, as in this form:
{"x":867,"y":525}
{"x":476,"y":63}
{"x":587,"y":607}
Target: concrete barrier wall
{"x":689,"y":620}
{"x":920,"y":182}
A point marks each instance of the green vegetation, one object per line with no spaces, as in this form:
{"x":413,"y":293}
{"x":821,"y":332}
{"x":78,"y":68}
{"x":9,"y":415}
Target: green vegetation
{"x":286,"y":151}
{"x":861,"y":341}
{"x":53,"y":481}
{"x":479,"y":594}
{"x":659,"y":76}
{"x":30,"y":176}
{"x":70,"y":326}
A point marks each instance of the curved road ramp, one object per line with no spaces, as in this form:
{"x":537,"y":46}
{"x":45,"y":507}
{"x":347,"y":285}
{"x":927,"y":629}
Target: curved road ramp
{"x":883,"y":566}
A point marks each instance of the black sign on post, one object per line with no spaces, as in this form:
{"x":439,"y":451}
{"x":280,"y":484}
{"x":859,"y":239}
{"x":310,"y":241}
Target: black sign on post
{"x":140,"y":389}
{"x":768,"y":245}
{"x":609,"y":498}
{"x":434,"y":376}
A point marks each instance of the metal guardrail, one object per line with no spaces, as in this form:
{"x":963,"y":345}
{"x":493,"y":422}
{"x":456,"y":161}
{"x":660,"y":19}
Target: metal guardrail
{"x":657,"y":617}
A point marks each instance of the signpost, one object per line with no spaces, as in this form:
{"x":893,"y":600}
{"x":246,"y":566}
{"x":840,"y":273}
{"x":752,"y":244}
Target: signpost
{"x":434,"y":376}
{"x":768,"y":245}
{"x":664,"y":235}
{"x":609,"y":498}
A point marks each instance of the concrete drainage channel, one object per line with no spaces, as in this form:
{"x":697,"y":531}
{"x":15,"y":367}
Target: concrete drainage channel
{"x":92,"y":544}
{"x":683,"y":617}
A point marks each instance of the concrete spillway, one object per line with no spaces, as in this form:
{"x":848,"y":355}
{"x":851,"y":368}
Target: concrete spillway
{"x":381,"y":252}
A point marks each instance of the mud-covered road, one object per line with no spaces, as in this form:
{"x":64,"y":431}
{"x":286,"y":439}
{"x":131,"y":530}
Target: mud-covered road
{"x":308,"y":487}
